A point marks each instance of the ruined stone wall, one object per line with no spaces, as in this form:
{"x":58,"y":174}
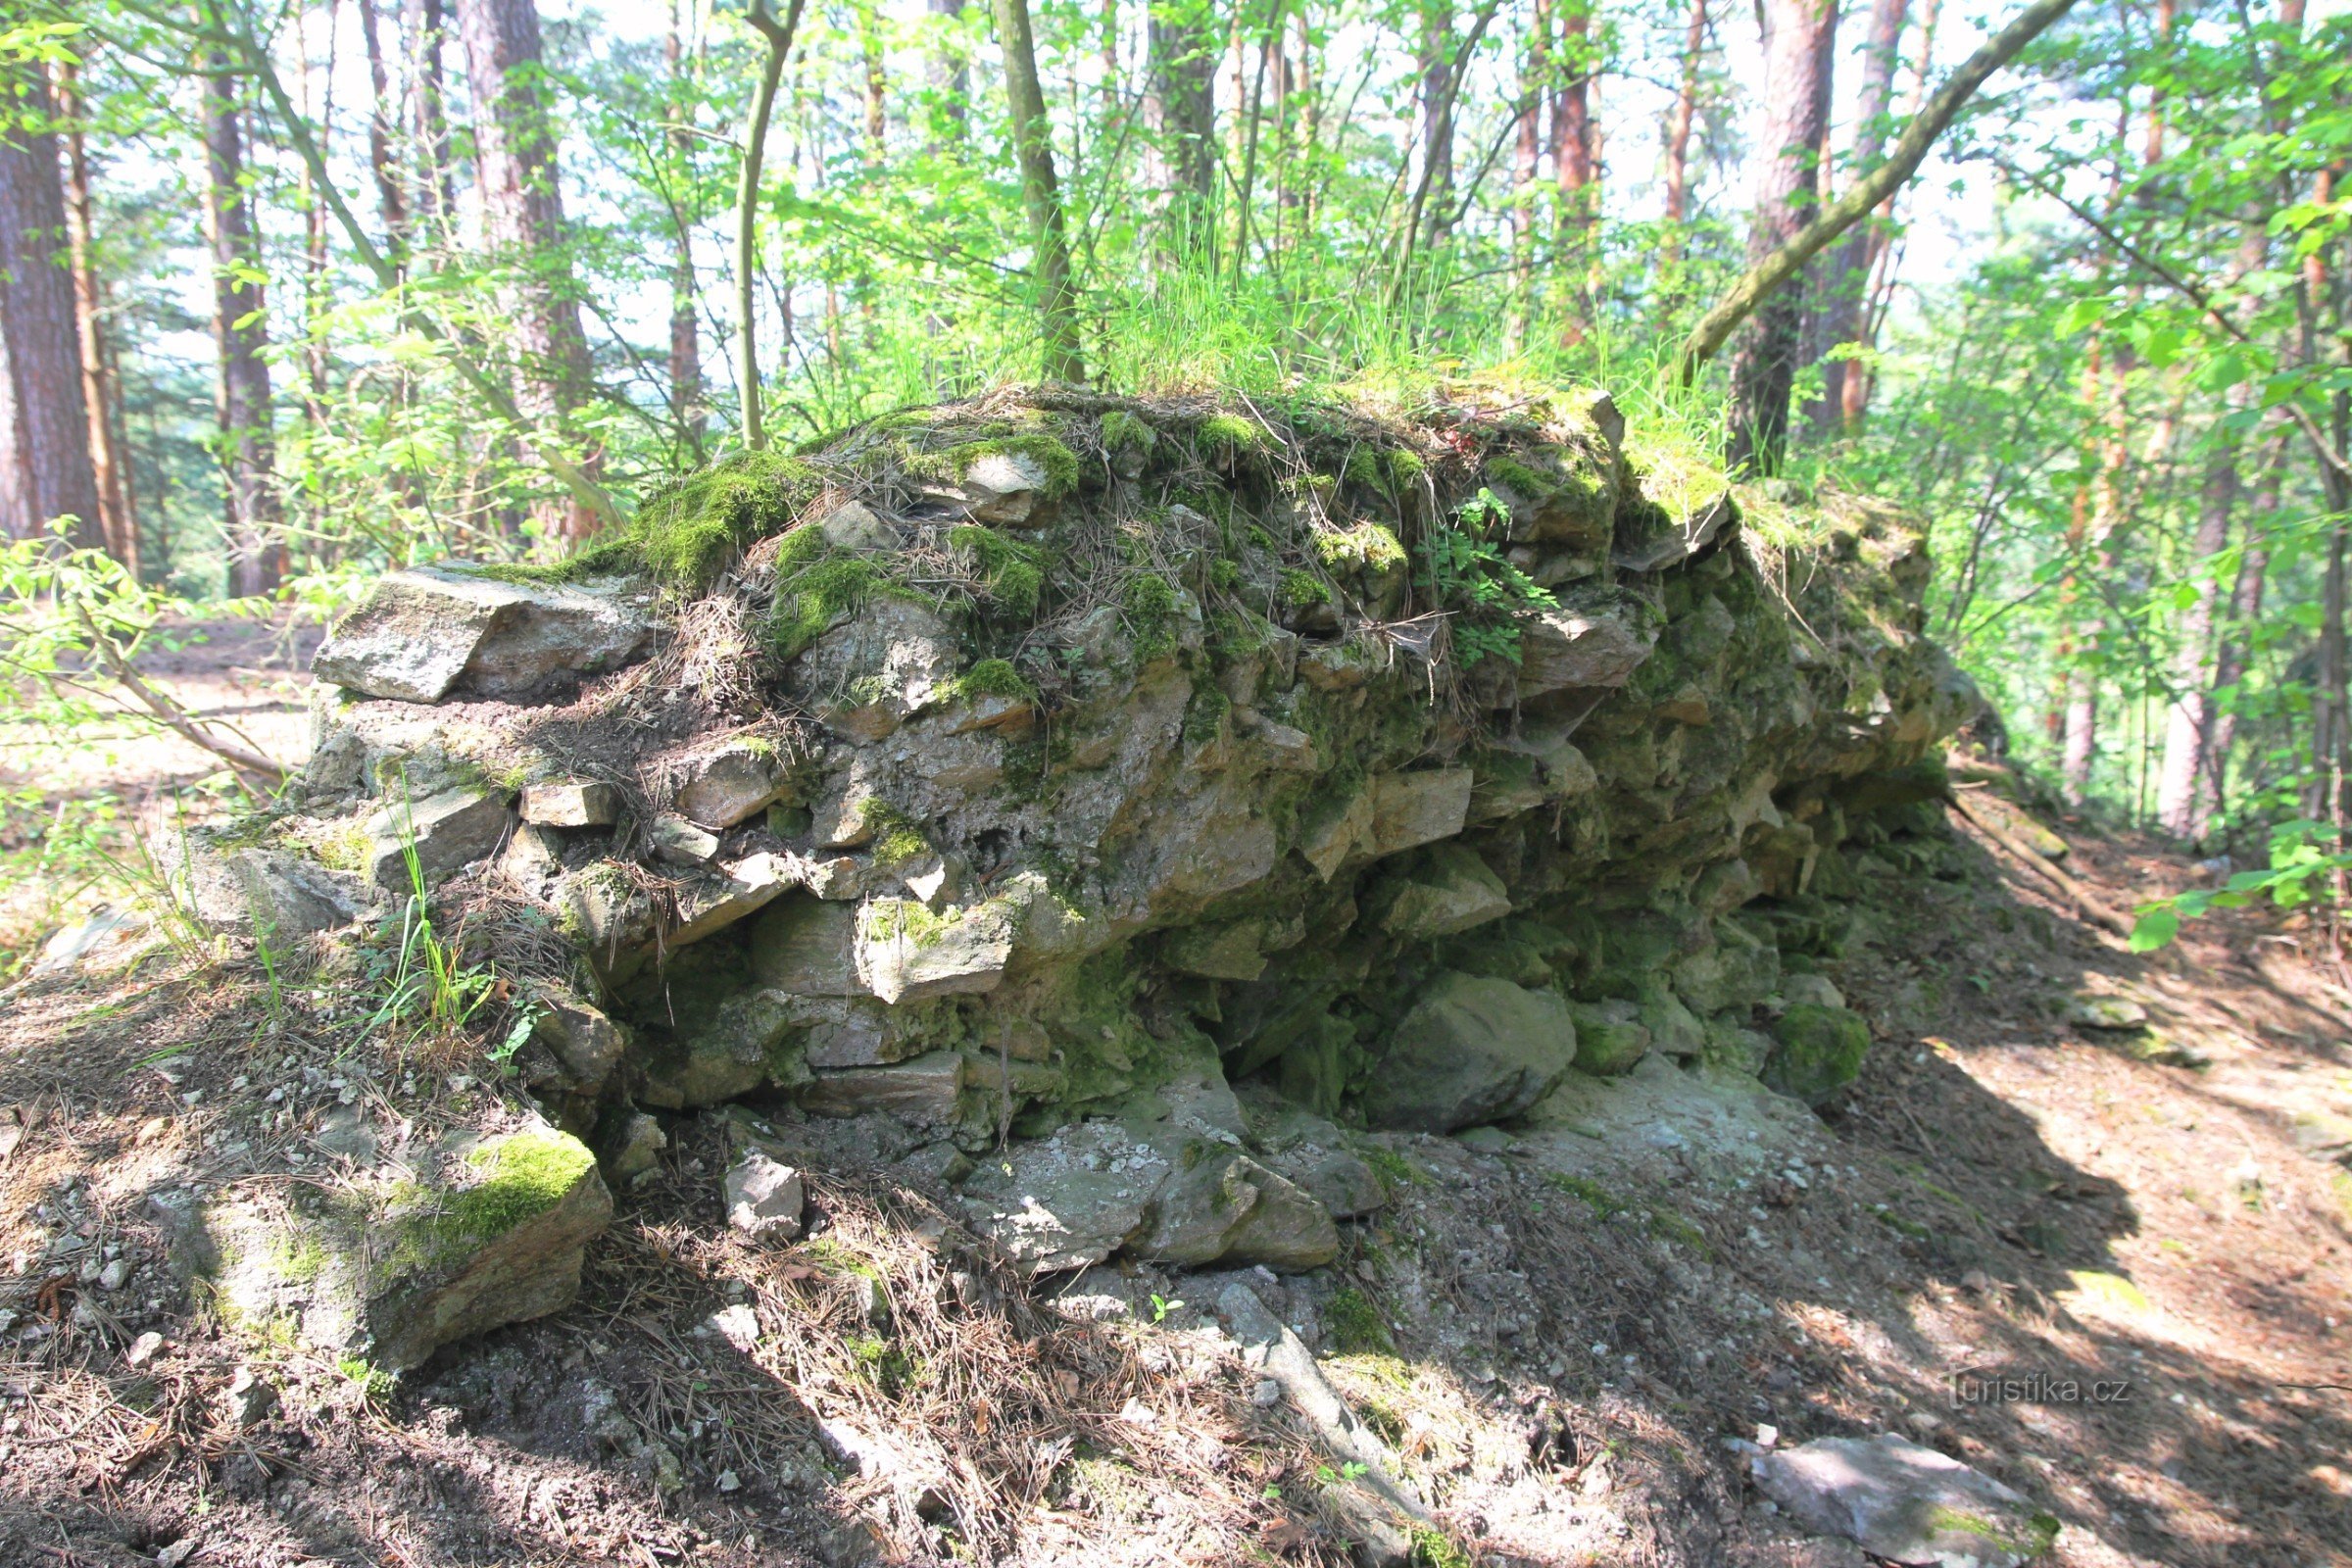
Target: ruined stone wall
{"x":998,"y":765}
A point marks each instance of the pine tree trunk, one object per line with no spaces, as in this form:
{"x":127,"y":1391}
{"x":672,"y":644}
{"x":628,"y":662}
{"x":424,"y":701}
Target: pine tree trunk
{"x":118,"y":522}
{"x":1050,"y":249}
{"x":1678,"y":122}
{"x":241,"y":336}
{"x":1572,"y":145}
{"x":1877,"y":267}
{"x":1436,"y":114}
{"x":1535,"y":74}
{"x":46,"y":471}
{"x":1845,"y":270}
{"x":515,"y":151}
{"x":1798,"y":39}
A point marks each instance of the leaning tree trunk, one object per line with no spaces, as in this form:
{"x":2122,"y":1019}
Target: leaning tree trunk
{"x":241,"y":336}
{"x":45,"y":470}
{"x":1797,"y":38}
{"x":514,"y":148}
{"x":1049,"y":264}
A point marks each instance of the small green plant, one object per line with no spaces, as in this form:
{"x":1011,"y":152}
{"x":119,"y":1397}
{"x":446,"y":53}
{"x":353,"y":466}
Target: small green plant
{"x":373,"y":1383}
{"x":2307,"y":859}
{"x":1466,"y":573}
{"x":1161,"y":1306}
{"x":424,"y":979}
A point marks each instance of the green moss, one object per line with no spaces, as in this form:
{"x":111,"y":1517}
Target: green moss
{"x":1820,"y":1050}
{"x":1667,"y":1225}
{"x":1204,"y":716}
{"x":1603,"y":1203}
{"x":687,"y":530}
{"x":1355,"y":1326}
{"x":343,"y":848}
{"x":1302,"y":588}
{"x":1405,"y":468}
{"x":896,"y":838}
{"x":1151,"y":604}
{"x":1056,"y":462}
{"x":1392,"y":1169}
{"x":1227,"y":436}
{"x":990,"y":678}
{"x":1014,"y":572}
{"x":1363,"y":467}
{"x":1510,"y":471}
{"x":1124,"y":429}
{"x":903,"y":920}
{"x":518,"y":1178}
{"x":1365,"y":545}
{"x":815,"y":596}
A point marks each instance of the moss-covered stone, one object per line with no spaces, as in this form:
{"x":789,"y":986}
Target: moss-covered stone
{"x":1820,"y":1050}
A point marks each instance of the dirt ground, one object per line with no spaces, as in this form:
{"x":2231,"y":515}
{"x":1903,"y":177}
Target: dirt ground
{"x":1565,"y":1332}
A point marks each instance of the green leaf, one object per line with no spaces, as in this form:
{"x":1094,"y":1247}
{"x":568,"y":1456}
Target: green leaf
{"x":2154,"y":929}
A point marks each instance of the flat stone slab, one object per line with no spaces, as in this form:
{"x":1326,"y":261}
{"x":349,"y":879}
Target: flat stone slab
{"x":1905,"y":1504}
{"x":431,"y":633}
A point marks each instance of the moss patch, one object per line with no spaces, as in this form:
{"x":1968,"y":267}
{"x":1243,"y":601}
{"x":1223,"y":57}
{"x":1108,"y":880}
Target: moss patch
{"x":689,"y":528}
{"x":1226,"y":436}
{"x":1302,"y":588}
{"x":1355,"y":1325}
{"x":1365,"y":545}
{"x":1014,"y":573}
{"x":990,"y":678}
{"x":1056,"y":462}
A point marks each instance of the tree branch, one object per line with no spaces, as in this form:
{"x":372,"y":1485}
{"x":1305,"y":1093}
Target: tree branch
{"x":1910,"y":151}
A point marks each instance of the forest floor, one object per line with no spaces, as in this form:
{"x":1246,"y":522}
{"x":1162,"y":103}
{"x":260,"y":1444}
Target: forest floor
{"x":1588,"y":1318}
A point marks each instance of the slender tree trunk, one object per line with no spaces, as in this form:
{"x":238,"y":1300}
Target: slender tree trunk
{"x":778,"y":36}
{"x":1798,"y":39}
{"x":2233,"y":655}
{"x":431,"y":196}
{"x":685,"y":322}
{"x":317,"y":297}
{"x":382,"y":118}
{"x":1041,"y":193}
{"x":240,"y":333}
{"x":1438,"y":66}
{"x":1180,"y":114}
{"x":949,"y":74}
{"x":45,"y":469}
{"x":877,"y":84}
{"x":1878,"y":268}
{"x":118,"y":522}
{"x":1678,"y":122}
{"x":1846,"y":273}
{"x":1534,"y":71}
{"x":2189,"y":719}
{"x":515,"y":153}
